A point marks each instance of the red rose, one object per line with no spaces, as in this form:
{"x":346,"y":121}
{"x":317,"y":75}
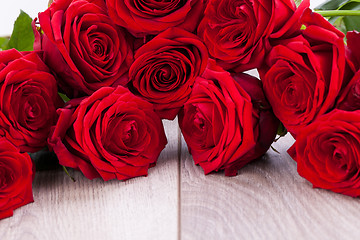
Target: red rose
{"x":165,"y":69}
{"x":227,"y":121}
{"x":83,"y":46}
{"x":304,"y":74}
{"x":145,"y":17}
{"x":237,"y":32}
{"x":28,"y":100}
{"x":110,"y":134}
{"x":16,"y":175}
{"x":327,"y":152}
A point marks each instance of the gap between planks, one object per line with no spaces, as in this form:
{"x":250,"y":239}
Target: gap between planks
{"x":179,"y":182}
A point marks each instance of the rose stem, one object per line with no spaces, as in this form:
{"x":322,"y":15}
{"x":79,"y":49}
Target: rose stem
{"x":334,"y":13}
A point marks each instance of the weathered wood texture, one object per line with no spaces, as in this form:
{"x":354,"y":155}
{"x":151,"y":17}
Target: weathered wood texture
{"x":140,"y":208}
{"x":267,"y":200}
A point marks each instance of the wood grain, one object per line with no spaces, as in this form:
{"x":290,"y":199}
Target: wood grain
{"x":267,"y":200}
{"x":140,"y":208}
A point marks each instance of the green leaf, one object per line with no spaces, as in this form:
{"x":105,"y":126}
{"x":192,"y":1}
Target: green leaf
{"x":64,"y":97}
{"x":350,"y":5}
{"x":342,"y":19}
{"x":331,"y":5}
{"x":338,"y":22}
{"x":4,"y":41}
{"x":351,"y":22}
{"x":281,"y":131}
{"x":22,"y":37}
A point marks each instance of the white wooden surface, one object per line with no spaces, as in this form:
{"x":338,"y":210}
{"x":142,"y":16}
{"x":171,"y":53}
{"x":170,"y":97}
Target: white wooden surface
{"x":140,"y":208}
{"x":267,"y":200}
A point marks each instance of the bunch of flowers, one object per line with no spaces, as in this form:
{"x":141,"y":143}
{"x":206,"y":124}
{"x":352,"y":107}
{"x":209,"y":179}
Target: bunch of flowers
{"x":104,"y":73}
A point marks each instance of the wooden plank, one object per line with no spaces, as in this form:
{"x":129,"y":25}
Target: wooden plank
{"x":140,"y":208}
{"x":267,"y":200}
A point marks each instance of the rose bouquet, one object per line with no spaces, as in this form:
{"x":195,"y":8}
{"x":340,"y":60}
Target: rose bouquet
{"x":99,"y":77}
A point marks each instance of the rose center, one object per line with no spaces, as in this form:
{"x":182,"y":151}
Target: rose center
{"x":31,"y":106}
{"x":199,"y":121}
{"x":166,"y":76}
{"x":296,"y":94}
{"x":32,"y":109}
{"x":123,"y":136}
{"x":98,"y":49}
{"x":128,"y":132}
{"x":339,"y":160}
{"x":34,"y":114}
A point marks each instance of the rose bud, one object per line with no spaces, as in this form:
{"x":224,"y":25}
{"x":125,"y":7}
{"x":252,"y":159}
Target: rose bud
{"x":327,"y":152}
{"x":28,"y":100}
{"x":237,"y":32}
{"x":83,"y":46}
{"x":303,"y":75}
{"x":16,"y":176}
{"x":227,"y":121}
{"x":165,"y":69}
{"x":145,"y":17}
{"x":111,"y":134}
